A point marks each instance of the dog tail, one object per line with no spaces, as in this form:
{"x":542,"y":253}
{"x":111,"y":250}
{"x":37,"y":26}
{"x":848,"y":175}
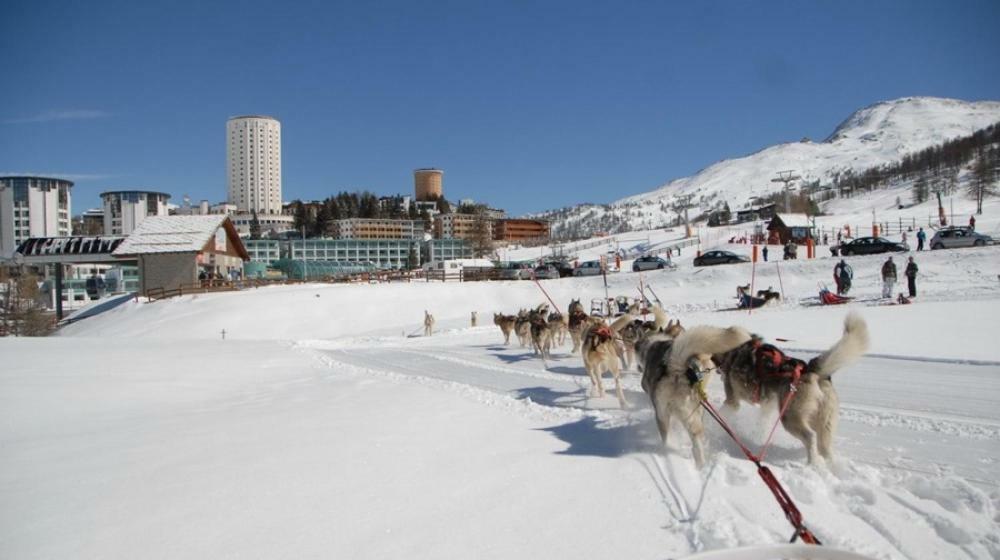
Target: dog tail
{"x":704,"y":340}
{"x":659,"y":317}
{"x":620,"y":322}
{"x":846,"y":351}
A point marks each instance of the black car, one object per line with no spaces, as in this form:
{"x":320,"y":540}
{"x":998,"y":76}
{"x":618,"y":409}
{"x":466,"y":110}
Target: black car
{"x":719,"y":257}
{"x":872,"y":246}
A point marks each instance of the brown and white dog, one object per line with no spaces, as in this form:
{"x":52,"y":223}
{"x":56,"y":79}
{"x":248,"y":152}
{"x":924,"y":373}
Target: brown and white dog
{"x":750,"y":374}
{"x":671,"y":369}
{"x":541,"y":332}
{"x":506,"y":324}
{"x":577,"y":321}
{"x":601,"y":353}
{"x":522,"y":327}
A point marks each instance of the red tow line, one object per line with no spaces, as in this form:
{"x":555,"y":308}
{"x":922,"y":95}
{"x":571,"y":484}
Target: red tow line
{"x":792,"y":512}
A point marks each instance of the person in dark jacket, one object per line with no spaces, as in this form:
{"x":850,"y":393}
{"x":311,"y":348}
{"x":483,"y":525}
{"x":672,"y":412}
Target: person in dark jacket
{"x":842,"y":275}
{"x":888,"y":277}
{"x":911,"y":277}
{"x":764,"y":252}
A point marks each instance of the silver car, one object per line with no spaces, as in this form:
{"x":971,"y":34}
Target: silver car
{"x":546,"y":272}
{"x":589,"y":268}
{"x":952,"y":237}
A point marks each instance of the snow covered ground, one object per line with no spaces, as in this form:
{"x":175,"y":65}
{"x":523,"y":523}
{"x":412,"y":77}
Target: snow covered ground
{"x":322,"y":427}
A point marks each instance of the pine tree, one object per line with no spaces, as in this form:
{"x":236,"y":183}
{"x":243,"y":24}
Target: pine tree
{"x":482,"y":233}
{"x":920,"y":190}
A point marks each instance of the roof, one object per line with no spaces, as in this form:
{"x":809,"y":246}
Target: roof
{"x":176,"y":234}
{"x":77,"y":245}
{"x":794,"y":220}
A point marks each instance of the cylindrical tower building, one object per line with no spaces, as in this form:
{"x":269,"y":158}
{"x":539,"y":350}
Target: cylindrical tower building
{"x":253,"y":148}
{"x":427,"y":183}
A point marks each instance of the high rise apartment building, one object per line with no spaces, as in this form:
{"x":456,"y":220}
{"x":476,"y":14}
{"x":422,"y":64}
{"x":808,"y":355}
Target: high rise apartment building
{"x":32,"y":207}
{"x":253,"y":145}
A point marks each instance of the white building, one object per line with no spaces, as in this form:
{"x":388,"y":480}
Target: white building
{"x":32,"y":207}
{"x":253,"y":168}
{"x":125,"y":210}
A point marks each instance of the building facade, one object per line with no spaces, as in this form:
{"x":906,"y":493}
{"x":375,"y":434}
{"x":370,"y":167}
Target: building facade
{"x":125,"y":210}
{"x":513,"y":230}
{"x":446,"y":249}
{"x":383,"y":253}
{"x":363,"y":228}
{"x":459,"y":226}
{"x":263,"y":250}
{"x":33,"y":207}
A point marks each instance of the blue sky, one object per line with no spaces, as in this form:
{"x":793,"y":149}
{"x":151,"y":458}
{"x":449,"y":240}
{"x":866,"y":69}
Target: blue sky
{"x":525,"y":105}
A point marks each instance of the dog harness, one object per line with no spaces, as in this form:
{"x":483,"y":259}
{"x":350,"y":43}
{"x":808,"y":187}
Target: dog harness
{"x":576,"y":317}
{"x":771,"y":364}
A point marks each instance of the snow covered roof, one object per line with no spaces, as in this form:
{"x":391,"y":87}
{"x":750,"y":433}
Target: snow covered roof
{"x":175,"y":234}
{"x":794,"y":220}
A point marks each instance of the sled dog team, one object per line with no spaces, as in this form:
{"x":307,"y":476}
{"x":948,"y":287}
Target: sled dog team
{"x":677,"y":363}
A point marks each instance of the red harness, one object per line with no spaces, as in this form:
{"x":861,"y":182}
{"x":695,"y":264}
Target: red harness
{"x":603,"y":333}
{"x":771,"y":364}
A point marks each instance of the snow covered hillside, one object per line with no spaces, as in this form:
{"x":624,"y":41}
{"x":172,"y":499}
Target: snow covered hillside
{"x":876,"y":135}
{"x":323,"y":426}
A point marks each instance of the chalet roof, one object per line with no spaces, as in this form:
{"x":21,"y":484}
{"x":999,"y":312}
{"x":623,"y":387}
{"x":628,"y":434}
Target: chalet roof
{"x":176,"y":234}
{"x":794,"y":220}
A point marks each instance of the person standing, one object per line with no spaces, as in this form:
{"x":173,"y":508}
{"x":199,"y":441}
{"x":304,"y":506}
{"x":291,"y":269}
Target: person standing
{"x":888,"y":277}
{"x":972,"y":223}
{"x":842,"y":275}
{"x":764,"y":252}
{"x":921,"y":236}
{"x":911,"y":277}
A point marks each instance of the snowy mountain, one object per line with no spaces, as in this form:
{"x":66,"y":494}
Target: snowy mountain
{"x":879,"y":134}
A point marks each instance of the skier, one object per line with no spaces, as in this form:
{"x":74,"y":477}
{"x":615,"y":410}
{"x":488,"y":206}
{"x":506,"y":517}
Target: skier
{"x":921,"y":236}
{"x":911,"y":277}
{"x":842,"y":275}
{"x":888,"y":277}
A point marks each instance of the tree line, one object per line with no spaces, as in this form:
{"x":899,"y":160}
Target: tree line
{"x":936,"y":169}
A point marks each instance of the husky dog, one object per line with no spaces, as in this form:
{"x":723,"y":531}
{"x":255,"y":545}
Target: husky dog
{"x":558,"y":324}
{"x":638,"y":329}
{"x":601,"y":353}
{"x":506,"y":324}
{"x":750,"y":374}
{"x":522,"y":327}
{"x":541,"y":333}
{"x":577,"y":322}
{"x":768,"y":295}
{"x":428,"y":323}
{"x":673,"y":371}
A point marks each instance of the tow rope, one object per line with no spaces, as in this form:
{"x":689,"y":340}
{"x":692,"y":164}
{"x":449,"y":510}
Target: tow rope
{"x":792,"y":512}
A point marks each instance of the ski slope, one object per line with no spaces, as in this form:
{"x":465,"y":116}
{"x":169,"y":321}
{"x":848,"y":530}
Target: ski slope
{"x":322,"y":426}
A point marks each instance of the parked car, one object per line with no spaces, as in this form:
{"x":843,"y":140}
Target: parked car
{"x":651,"y":262}
{"x":565,"y":269}
{"x":871,"y":246}
{"x":719,"y":257}
{"x":952,"y":237}
{"x":589,"y":268}
{"x":515,"y":271}
{"x":546,"y":272}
